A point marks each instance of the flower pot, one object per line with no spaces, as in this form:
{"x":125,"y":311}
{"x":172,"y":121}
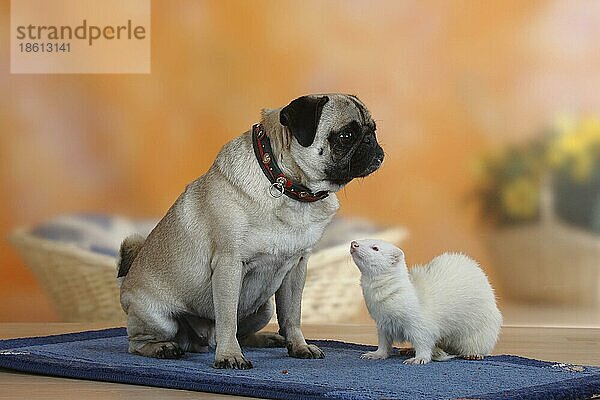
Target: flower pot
{"x":547,"y":261}
{"x":578,"y":203}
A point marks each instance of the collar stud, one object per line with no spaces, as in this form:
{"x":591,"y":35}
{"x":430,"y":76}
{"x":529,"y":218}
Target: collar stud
{"x":280,"y":184}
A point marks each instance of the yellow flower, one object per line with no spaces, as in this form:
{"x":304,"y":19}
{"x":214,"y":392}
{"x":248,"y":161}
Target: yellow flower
{"x":572,"y":145}
{"x":576,"y":146}
{"x":520,"y":198}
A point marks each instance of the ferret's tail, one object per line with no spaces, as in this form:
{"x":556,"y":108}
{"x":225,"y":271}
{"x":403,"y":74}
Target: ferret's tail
{"x":441,"y":355}
{"x":129,"y":250}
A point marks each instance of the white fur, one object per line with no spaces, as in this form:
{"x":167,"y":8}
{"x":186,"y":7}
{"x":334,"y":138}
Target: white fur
{"x":446,"y":308}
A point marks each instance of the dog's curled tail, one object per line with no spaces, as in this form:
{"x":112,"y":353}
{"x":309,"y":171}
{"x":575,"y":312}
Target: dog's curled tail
{"x":129,"y":250}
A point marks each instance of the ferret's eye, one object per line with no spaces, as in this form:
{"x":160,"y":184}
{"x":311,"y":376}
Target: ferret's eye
{"x":375,"y":248}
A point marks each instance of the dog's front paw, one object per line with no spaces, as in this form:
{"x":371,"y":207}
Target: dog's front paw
{"x":305,"y":351}
{"x":417,"y":360}
{"x":374,"y":355}
{"x":232,"y":361}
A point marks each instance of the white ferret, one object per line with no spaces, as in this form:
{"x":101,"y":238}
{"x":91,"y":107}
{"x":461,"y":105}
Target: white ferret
{"x":445,"y":309}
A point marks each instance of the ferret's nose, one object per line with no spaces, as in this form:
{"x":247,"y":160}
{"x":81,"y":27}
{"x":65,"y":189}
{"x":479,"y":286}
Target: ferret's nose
{"x":353,"y":246}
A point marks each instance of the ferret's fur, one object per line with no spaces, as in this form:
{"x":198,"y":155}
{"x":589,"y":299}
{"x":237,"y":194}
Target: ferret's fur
{"x":446,"y":308}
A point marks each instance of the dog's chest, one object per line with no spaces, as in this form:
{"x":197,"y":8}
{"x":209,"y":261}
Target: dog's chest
{"x":285,"y":232}
{"x":273,"y":247}
{"x":273,"y":242}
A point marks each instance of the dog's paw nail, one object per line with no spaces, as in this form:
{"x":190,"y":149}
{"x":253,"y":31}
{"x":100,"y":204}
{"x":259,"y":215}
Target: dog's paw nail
{"x":315,"y":351}
{"x":165,"y":350}
{"x":233,"y":362}
{"x":305,"y":351}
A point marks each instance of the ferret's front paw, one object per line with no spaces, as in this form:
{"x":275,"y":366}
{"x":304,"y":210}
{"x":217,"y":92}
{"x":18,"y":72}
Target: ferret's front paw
{"x":417,"y":360}
{"x":374,"y":355}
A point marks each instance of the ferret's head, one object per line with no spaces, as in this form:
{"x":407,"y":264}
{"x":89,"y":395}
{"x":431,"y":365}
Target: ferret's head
{"x":376,"y":256}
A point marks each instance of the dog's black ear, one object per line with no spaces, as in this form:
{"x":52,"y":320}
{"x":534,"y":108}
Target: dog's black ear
{"x":302,"y":117}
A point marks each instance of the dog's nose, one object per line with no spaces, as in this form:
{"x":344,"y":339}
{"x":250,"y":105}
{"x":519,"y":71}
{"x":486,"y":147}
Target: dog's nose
{"x":354,"y":245}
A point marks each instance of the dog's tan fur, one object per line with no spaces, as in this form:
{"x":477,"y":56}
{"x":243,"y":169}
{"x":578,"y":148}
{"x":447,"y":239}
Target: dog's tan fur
{"x":210,"y":268}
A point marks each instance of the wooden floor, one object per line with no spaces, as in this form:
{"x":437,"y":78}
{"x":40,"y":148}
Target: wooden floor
{"x":561,"y":344}
{"x":524,"y":314}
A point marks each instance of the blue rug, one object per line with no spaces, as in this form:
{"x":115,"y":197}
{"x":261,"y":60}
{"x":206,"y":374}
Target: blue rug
{"x":102,"y":355}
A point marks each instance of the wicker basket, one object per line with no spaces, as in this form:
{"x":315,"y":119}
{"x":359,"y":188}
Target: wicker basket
{"x":83,"y":288}
{"x":80,"y":283}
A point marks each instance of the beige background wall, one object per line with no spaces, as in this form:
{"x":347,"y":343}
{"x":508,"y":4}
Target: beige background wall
{"x":444,"y":80}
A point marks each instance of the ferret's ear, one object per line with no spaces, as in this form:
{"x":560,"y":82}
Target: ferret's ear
{"x":398,"y":255}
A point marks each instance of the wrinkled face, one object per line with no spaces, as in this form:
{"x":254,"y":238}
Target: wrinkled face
{"x":336,"y":139}
{"x":353,"y":148}
{"x":376,"y":256}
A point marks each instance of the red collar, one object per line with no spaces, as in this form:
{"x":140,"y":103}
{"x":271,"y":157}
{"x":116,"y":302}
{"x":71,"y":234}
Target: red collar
{"x":280,"y":184}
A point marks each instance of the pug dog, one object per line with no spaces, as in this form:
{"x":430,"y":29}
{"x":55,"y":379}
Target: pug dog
{"x":243,"y":232}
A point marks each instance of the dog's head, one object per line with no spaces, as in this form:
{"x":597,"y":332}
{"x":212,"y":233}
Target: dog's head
{"x":335,"y":139}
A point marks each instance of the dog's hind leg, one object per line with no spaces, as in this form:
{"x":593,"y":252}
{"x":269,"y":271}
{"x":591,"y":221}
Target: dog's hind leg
{"x":195,"y":334}
{"x":152,"y":331}
{"x":248,"y":328}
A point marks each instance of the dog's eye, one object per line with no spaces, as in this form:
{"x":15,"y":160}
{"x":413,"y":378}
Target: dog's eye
{"x":345,"y":137}
{"x":375,"y":248}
